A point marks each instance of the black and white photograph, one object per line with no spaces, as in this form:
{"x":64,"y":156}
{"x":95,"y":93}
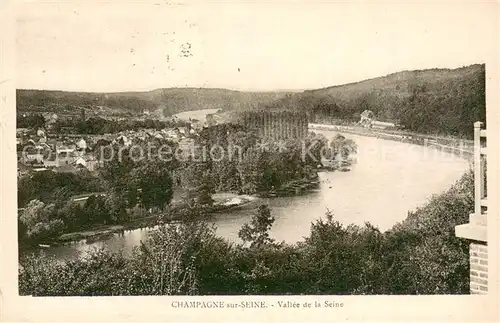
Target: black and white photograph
{"x":253,"y":149}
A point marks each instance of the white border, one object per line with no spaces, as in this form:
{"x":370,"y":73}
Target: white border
{"x":149,"y":309}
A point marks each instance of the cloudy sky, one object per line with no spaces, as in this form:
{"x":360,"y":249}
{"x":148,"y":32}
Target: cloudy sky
{"x":274,"y":45}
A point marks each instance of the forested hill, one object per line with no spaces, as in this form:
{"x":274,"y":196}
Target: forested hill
{"x":436,"y":101}
{"x":445,"y":101}
{"x":170,"y":100}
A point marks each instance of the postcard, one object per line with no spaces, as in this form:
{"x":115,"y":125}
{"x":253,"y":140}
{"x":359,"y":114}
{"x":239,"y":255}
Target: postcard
{"x":249,"y":161}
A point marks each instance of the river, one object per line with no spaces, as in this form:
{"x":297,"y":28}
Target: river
{"x":388,"y":179}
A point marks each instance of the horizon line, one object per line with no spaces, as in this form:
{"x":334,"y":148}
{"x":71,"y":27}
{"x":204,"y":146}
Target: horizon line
{"x":249,"y":90}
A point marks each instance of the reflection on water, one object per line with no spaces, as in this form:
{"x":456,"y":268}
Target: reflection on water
{"x":388,"y":179}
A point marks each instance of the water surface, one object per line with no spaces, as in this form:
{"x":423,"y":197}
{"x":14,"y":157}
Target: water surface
{"x":388,"y":179}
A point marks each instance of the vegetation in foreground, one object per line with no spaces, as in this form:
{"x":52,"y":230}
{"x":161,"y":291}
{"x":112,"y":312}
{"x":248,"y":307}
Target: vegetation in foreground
{"x":420,"y":255}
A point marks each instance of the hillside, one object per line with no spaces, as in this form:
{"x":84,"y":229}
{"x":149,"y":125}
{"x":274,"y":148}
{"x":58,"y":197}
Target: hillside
{"x":170,"y":101}
{"x":436,"y":101}
{"x":445,"y":101}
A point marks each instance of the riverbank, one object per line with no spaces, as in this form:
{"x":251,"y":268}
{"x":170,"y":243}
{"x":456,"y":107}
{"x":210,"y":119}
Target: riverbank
{"x":460,"y":147}
{"x":224,"y":201}
{"x":295,"y":187}
{"x":386,"y":180}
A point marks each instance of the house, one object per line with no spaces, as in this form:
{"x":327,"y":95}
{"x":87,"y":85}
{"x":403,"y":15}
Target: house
{"x":123,"y":140}
{"x":22,"y":169}
{"x":181,"y":131}
{"x":197,"y":125}
{"x":368,"y":121}
{"x":40,"y":133}
{"x":22,"y":131}
{"x":81,"y":144}
{"x":50,"y":121}
{"x":87,"y":161}
{"x":50,"y":118}
{"x":65,"y":148}
{"x":170,"y":134}
{"x":81,"y":161}
{"x":66,"y":158}
{"x":32,"y":154}
{"x":51,"y":160}
{"x":52,"y":143}
{"x":186,"y":148}
{"x":92,"y":163}
{"x":367,"y":118}
{"x":82,"y":198}
{"x":142,"y":136}
{"x":39,"y":168}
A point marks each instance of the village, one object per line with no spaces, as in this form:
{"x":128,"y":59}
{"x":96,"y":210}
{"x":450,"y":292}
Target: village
{"x":45,"y":148}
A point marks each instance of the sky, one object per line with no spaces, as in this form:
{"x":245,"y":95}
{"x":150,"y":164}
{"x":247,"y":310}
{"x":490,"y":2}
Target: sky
{"x":279,"y":45}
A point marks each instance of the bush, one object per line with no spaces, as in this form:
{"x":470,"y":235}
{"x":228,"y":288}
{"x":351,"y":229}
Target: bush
{"x":421,"y":255}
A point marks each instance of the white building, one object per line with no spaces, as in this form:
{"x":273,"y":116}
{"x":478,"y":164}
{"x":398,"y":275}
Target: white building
{"x":40,"y":133}
{"x":382,"y":125}
{"x":81,"y":144}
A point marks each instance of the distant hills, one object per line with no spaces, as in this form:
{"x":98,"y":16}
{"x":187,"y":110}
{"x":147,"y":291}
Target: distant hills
{"x":170,"y":101}
{"x":445,"y":101}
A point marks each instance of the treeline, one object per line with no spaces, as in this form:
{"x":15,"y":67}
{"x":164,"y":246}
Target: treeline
{"x":30,"y":121}
{"x":436,"y":101}
{"x":100,"y":126}
{"x":131,"y":188}
{"x":96,"y":125}
{"x":41,"y":222}
{"x":46,"y":208}
{"x":44,"y":98}
{"x":136,"y":182}
{"x":170,"y":100}
{"x":421,"y":255}
{"x":48,"y":186}
{"x":248,"y":164}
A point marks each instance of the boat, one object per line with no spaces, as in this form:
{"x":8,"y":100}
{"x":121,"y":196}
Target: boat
{"x":44,"y":246}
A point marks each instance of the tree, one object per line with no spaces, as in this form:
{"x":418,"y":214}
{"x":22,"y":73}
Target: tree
{"x":95,"y":211}
{"x":72,"y":216}
{"x":117,"y":206}
{"x":22,"y":231}
{"x":34,"y":212}
{"x":249,"y":171}
{"x":314,"y":144}
{"x":342,"y":147}
{"x":172,"y":258}
{"x":257,"y":231}
{"x":33,"y":121}
{"x":204,"y":192}
{"x":39,"y":221}
{"x":154,"y":180}
{"x":196,"y":178}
